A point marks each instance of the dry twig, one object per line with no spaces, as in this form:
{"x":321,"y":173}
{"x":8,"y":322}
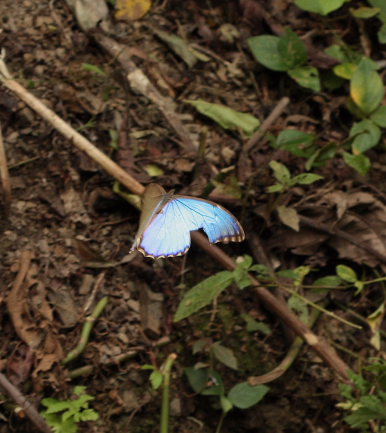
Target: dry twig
{"x":275,"y":113}
{"x":20,"y":400}
{"x":4,"y":174}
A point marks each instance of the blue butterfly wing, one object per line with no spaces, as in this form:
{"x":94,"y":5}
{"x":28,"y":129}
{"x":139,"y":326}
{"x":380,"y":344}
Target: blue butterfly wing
{"x":218,"y":224}
{"x":168,"y":234}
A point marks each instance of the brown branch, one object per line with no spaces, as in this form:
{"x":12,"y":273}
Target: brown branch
{"x":67,"y":131}
{"x":279,"y":308}
{"x":20,"y":400}
{"x":4,"y":174}
{"x":275,"y":113}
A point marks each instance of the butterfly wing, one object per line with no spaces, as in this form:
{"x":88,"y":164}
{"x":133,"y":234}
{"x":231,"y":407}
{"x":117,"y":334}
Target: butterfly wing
{"x":168,"y":233}
{"x":218,"y":224}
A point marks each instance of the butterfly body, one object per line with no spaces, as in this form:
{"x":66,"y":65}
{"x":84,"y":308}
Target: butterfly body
{"x":167,"y":220}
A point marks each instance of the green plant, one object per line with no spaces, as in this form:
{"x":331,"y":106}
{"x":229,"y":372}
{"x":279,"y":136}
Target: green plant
{"x":206,"y":381}
{"x":284,"y":181}
{"x":64,"y":415}
{"x":322,"y":7}
{"x":365,"y":399}
{"x":160,"y":378}
{"x":285,"y":53}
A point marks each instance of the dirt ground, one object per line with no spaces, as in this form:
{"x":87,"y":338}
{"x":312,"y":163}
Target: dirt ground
{"x":73,"y":233}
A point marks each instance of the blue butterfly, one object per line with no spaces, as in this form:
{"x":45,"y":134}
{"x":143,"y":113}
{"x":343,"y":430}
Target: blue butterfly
{"x":167,"y":220}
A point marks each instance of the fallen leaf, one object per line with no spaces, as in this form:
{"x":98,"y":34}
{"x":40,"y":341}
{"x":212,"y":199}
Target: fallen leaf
{"x":289,"y":217}
{"x":131,"y":10}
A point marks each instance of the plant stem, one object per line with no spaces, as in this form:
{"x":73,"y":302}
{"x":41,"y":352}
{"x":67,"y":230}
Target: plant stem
{"x":87,"y":328}
{"x":164,"y":427}
{"x":219,"y":425}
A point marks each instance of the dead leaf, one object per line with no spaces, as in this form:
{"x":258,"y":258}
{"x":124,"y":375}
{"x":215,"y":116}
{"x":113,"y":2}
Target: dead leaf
{"x":89,"y":13}
{"x":289,"y":217}
{"x":375,"y":322}
{"x":64,"y":304}
{"x":179,"y":46}
{"x":131,"y":10}
{"x":151,"y":310}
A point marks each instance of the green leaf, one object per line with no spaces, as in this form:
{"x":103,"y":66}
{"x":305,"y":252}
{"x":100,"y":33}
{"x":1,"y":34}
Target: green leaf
{"x":89,"y":415}
{"x":153,"y":170}
{"x":226,"y":117}
{"x":280,"y":172}
{"x":365,"y":141}
{"x":300,"y":273}
{"x":289,"y":217}
{"x":345,"y":70}
{"x":287,"y":273}
{"x":275,"y":188}
{"x":203,"y":294}
{"x":379,"y":116}
{"x":265,"y":50}
{"x":245,"y":263}
{"x":306,"y":76}
{"x":359,"y":285}
{"x":93,"y":68}
{"x":244,"y":395}
{"x":292,"y":50}
{"x":322,"y":7}
{"x":58,"y":425}
{"x":156,"y":379}
{"x":261,"y":270}
{"x":344,"y":54}
{"x":299,"y":307}
{"x":226,"y":404}
{"x":329,"y":280}
{"x":197,"y":378}
{"x":204,"y":382}
{"x":346,"y":273}
{"x":364,"y":12}
{"x":297,"y":142}
{"x":366,"y":87}
{"x":382,"y":34}
{"x":321,"y":156}
{"x":224,"y":355}
{"x":381,"y":4}
{"x":254,"y":326}
{"x":242,"y":279}
{"x":371,"y":407}
{"x":305,"y":179}
{"x":337,"y":52}
{"x":360,"y":162}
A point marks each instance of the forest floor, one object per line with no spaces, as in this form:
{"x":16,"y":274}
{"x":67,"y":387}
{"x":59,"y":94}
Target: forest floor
{"x":66,"y":234}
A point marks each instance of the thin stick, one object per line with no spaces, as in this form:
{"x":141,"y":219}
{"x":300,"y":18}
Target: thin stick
{"x":4,"y":174}
{"x":73,"y":136}
{"x":20,"y":400}
{"x":275,"y":113}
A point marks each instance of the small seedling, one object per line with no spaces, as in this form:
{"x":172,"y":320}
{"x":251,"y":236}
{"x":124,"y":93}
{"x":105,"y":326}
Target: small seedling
{"x":63,"y":416}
